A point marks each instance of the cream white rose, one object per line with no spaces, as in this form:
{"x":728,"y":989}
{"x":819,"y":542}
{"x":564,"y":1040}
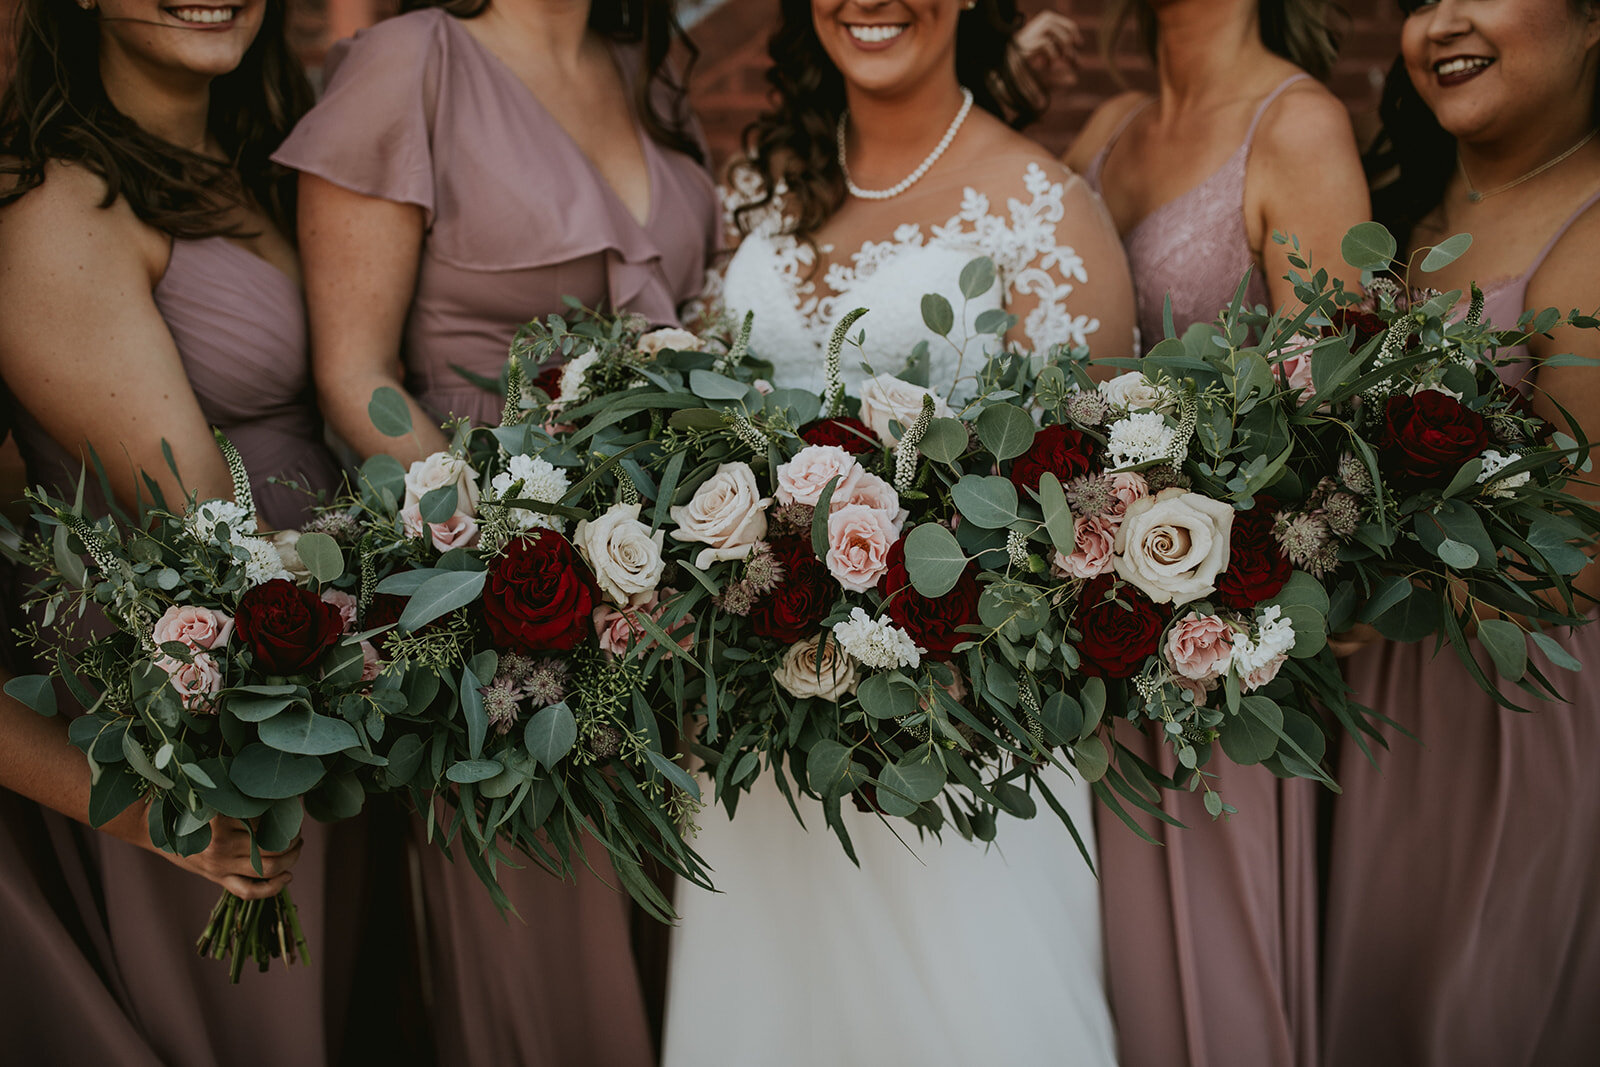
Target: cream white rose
{"x":624,"y":555}
{"x":886,"y":399}
{"x":287,"y":542}
{"x":436,"y":472}
{"x":726,"y":512}
{"x":1134,"y":392}
{"x":1173,"y":545}
{"x":810,"y":669}
{"x":669,"y":337}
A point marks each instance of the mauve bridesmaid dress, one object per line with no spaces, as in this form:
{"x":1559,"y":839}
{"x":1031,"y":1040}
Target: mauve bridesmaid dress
{"x":1463,"y":915}
{"x":1210,"y":940}
{"x":125,"y":981}
{"x":419,"y":112}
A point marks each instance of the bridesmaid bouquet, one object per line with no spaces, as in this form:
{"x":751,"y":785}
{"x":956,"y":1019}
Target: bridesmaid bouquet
{"x":219,"y":676}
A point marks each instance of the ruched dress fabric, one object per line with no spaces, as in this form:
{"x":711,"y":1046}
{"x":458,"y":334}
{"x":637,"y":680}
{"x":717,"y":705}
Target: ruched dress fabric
{"x":98,"y":935}
{"x":1211,"y":939}
{"x":1463,"y":915}
{"x":419,"y":112}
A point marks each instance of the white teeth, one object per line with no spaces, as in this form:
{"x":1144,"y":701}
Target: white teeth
{"x":203,"y":14}
{"x":875,"y":34}
{"x":1461,"y":66}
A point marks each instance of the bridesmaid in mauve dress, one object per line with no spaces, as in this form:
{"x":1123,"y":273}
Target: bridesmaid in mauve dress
{"x":460,"y":177}
{"x":1463,"y":922}
{"x":126,"y":320}
{"x":1211,"y":939}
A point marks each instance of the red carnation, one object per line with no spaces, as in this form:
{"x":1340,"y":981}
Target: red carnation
{"x":792,"y":611}
{"x":1365,"y":324}
{"x":1062,"y":451}
{"x":931,"y":621}
{"x":1257,"y":567}
{"x":1429,"y":435}
{"x":1117,"y":634}
{"x":852,"y":435}
{"x":538,"y":596}
{"x":285,"y":627}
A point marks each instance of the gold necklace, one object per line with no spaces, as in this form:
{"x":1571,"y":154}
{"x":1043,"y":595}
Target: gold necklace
{"x":1476,"y":197}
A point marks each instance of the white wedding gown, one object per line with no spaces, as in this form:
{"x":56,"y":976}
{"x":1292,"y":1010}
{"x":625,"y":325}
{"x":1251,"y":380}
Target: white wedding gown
{"x":931,"y":952}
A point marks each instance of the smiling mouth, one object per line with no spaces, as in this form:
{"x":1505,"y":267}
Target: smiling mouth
{"x":876,"y":34}
{"x":1456,"y":66}
{"x":204,"y":16}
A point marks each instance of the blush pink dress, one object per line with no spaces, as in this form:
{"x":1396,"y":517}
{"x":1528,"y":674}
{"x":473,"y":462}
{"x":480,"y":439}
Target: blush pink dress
{"x":98,"y":935}
{"x":1463,"y":913}
{"x":1211,"y":939}
{"x":417,"y":111}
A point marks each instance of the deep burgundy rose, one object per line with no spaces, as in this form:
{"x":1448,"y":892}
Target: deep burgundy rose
{"x":1117,"y":634}
{"x":1257,"y":567}
{"x":792,"y":611}
{"x":931,"y":621}
{"x":1429,"y":435}
{"x":1364,"y":324}
{"x":539,"y":596}
{"x":285,"y":627}
{"x":384,"y":609}
{"x":852,"y":435}
{"x":549,"y":380}
{"x":1062,"y":451}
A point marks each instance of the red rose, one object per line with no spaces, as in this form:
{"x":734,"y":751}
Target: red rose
{"x":1257,"y":567}
{"x":538,"y":596}
{"x":1062,"y":451}
{"x":1364,"y":324}
{"x":1117,"y":634}
{"x":931,"y":621}
{"x":549,"y":380}
{"x":1428,"y":436}
{"x":852,"y":435}
{"x":792,"y":611}
{"x":285,"y":627}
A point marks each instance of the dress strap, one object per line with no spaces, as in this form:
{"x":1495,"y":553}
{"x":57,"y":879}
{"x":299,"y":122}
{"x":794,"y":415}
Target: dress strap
{"x":1098,"y":163}
{"x":1268,"y":102}
{"x":1561,"y":231}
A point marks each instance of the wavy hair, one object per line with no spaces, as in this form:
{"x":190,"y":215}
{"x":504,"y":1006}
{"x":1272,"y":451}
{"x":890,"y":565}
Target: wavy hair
{"x":651,"y":24}
{"x":792,"y":144}
{"x":56,"y":108}
{"x":1305,"y":32}
{"x":1410,"y":162}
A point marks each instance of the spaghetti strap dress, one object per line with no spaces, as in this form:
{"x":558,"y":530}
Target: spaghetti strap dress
{"x":1463,"y":913}
{"x":516,"y":218}
{"x":1210,"y":939}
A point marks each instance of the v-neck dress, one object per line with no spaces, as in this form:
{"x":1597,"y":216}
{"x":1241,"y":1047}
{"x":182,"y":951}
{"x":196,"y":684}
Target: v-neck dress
{"x":418,"y":111}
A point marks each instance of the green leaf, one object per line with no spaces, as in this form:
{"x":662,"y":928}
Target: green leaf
{"x":321,"y":555}
{"x":1507,"y":647}
{"x":269,"y":774}
{"x":440,"y":595}
{"x":405,"y":758}
{"x":256,"y":709}
{"x":383,"y":481}
{"x":405,"y":583}
{"x":1252,"y":735}
{"x":945,"y":441}
{"x":1549,"y":536}
{"x":69,"y":563}
{"x":1457,"y":555}
{"x":473,"y":770}
{"x":550,"y":734}
{"x":937,"y":314}
{"x":389,"y":412}
{"x":1057,"y":515}
{"x":674,"y":773}
{"x":1555,"y":653}
{"x":1368,"y":246}
{"x":828,"y":767}
{"x":977,"y":277}
{"x":1062,"y":718}
{"x":994,"y":321}
{"x":111,"y":793}
{"x":934,"y":559}
{"x":437,"y":505}
{"x":280,"y":824}
{"x":35,"y":691}
{"x":887,"y":695}
{"x":986,"y":501}
{"x":918,"y":780}
{"x":1389,"y":592}
{"x":1412,"y":619}
{"x":472,"y":710}
{"x":133,"y":752}
{"x":709,"y":385}
{"x":304,"y":732}
{"x":1091,"y":758}
{"x":819,"y":518}
{"x":343,"y":664}
{"x":1446,"y":252}
{"x":1005,"y":430}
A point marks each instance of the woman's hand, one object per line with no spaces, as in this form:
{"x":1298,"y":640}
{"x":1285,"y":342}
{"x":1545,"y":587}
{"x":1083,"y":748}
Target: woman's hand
{"x":1353,"y":640}
{"x":226,"y":861}
{"x":1048,"y":45}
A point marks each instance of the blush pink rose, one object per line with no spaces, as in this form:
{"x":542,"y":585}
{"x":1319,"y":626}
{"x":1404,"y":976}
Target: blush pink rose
{"x":458,"y":531}
{"x":1263,"y":674}
{"x":872,"y":491}
{"x":371,"y":663}
{"x":197,"y":682}
{"x":197,"y":627}
{"x":803,"y":478}
{"x":1126,"y":487}
{"x":1095,"y":538}
{"x":859,"y":539}
{"x":618,"y":626}
{"x":1296,"y":364}
{"x":346,"y":605}
{"x":1200,"y":647}
{"x":1200,"y":689}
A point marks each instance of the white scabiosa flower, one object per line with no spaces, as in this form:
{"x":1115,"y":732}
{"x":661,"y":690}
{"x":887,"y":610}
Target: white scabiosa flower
{"x":1493,"y":463}
{"x":1142,"y":437}
{"x":877,"y":643}
{"x":264,"y":563}
{"x":203,"y":522}
{"x":532,"y":478}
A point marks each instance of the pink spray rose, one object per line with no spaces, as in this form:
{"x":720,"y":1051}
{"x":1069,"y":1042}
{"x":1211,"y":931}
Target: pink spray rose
{"x":346,"y":605}
{"x":872,"y":491}
{"x":197,"y":681}
{"x":803,"y":478}
{"x":859,"y":539}
{"x":617,"y":626}
{"x":1263,"y":674}
{"x":1200,"y":647}
{"x":1096,"y":539}
{"x":1296,"y":364}
{"x":1126,"y":487}
{"x":199,"y":628}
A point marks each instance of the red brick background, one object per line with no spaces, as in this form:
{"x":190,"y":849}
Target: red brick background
{"x":728,"y":87}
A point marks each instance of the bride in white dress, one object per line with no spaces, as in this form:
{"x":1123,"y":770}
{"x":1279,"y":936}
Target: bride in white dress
{"x":932,"y":951}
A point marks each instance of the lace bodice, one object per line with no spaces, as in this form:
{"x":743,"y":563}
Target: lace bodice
{"x":799,"y":291}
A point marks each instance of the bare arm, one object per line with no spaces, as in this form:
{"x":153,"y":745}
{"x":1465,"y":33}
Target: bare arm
{"x":360,"y":254}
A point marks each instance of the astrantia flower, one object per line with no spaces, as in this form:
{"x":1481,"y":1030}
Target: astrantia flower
{"x":1089,"y":495}
{"x":264,"y":563}
{"x":546,"y":683}
{"x":1086,"y":407}
{"x":876,"y":643}
{"x":1493,"y":463}
{"x":500,"y":705}
{"x":532,"y":478}
{"x":208,"y":515}
{"x":1343,"y":513}
{"x":1354,"y":474}
{"x":1138,"y":438}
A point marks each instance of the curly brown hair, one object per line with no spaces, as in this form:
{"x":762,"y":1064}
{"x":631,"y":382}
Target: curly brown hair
{"x":56,"y":108}
{"x":792,"y":144}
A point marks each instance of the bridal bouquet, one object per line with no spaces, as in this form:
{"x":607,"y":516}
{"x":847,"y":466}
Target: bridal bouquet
{"x":215,"y":679}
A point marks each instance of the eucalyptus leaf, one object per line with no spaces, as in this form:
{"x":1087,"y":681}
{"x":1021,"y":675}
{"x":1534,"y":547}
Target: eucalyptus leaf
{"x":389,"y":412}
{"x":709,"y":385}
{"x":934,"y":559}
{"x":1507,"y":646}
{"x":473,"y":770}
{"x":945,"y":442}
{"x":986,"y":501}
{"x":269,"y":774}
{"x":1005,"y":430}
{"x":674,"y":773}
{"x":937,"y":314}
{"x":304,"y":732}
{"x":1457,"y":555}
{"x":977,"y":277}
{"x":550,"y":734}
{"x":440,"y":595}
{"x":1368,"y":246}
{"x":437,"y":505}
{"x":34,"y":690}
{"x":322,"y":556}
{"x":1446,"y":252}
{"x":1057,"y":515}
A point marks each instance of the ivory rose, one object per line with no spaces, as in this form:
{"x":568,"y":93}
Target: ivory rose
{"x":669,"y":337}
{"x":439,"y":470}
{"x":859,"y":539}
{"x":886,"y":399}
{"x":287,"y":544}
{"x":1172,"y":546}
{"x":803,"y":478}
{"x":812,"y":669}
{"x":197,"y":681}
{"x":624,"y":555}
{"x":1095,"y":538}
{"x":199,"y":628}
{"x":1134,"y":392}
{"x":872,"y":491}
{"x":346,"y":604}
{"x":1200,"y":647}
{"x":726,"y":512}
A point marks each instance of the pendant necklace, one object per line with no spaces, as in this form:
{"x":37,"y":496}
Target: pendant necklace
{"x":1474,"y":195}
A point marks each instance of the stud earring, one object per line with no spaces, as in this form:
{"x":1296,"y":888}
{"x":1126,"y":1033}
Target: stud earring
{"x":87,"y":5}
{"x":969,"y":5}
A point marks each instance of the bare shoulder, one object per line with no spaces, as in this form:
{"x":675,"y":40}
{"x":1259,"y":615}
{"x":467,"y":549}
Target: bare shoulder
{"x":1098,"y":130}
{"x":1308,"y":122}
{"x":1569,"y":277}
{"x":64,"y":223}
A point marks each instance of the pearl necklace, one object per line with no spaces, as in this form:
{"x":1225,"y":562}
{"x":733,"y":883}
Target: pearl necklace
{"x":1477,"y":198}
{"x":922,"y":168}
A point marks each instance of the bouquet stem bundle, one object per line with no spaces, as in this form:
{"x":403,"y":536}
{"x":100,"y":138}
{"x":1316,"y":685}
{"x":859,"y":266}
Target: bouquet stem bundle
{"x":262,"y":930}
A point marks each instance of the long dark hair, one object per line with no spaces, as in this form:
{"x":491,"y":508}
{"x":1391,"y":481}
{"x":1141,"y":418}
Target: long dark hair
{"x":792,"y":143}
{"x":652,"y":24}
{"x":56,"y":108}
{"x":1410,"y":163}
{"x":1305,"y":32}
